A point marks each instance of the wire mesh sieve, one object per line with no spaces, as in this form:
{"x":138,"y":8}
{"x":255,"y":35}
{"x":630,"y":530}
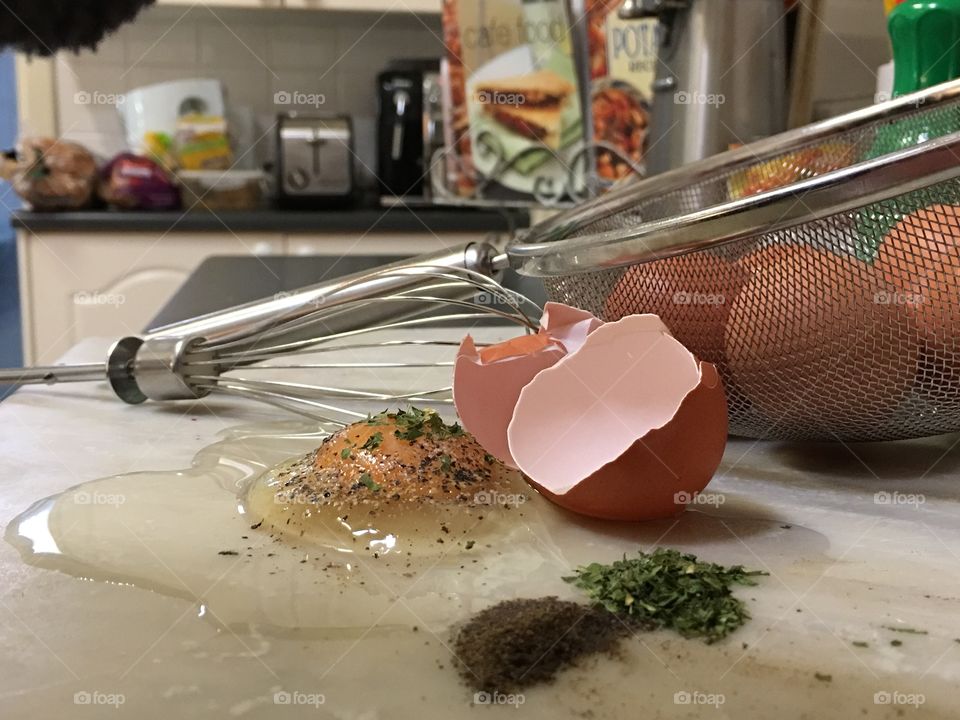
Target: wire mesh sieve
{"x":820,"y":271}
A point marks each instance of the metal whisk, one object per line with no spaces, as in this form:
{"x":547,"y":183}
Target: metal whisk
{"x":221,"y":352}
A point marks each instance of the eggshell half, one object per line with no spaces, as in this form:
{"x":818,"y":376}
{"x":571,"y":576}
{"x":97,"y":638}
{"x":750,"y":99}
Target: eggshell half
{"x":488,"y":381}
{"x":630,"y":427}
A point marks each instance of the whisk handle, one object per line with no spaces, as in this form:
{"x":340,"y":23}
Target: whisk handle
{"x":53,"y":374}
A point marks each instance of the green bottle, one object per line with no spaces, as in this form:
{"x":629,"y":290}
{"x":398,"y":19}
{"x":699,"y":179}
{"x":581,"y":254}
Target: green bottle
{"x":926,"y":51}
{"x":925,"y":48}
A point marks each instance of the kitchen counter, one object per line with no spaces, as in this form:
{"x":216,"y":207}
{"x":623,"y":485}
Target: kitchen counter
{"x":432,"y":220}
{"x":858,"y":617}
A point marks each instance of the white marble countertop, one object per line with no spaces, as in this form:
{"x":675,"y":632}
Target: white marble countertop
{"x":858,"y":539}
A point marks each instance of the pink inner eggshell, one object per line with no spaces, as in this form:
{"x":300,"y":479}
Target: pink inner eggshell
{"x":567,"y":325}
{"x":485,"y":394}
{"x":487,"y":382}
{"x":628,"y":378}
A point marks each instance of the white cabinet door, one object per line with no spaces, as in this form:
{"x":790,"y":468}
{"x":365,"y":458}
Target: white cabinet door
{"x":77,"y":285}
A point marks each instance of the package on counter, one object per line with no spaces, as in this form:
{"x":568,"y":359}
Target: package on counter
{"x":514,"y":113}
{"x":622,"y":59}
{"x":158,"y":146}
{"x":134,"y":182}
{"x":52,"y":174}
{"x":201,"y":143}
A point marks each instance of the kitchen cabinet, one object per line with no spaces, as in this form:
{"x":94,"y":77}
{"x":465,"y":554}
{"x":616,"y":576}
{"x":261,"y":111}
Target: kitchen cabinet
{"x":75,"y":285}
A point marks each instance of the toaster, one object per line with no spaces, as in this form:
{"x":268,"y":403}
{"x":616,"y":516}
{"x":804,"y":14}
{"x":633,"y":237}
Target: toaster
{"x":314,"y":165}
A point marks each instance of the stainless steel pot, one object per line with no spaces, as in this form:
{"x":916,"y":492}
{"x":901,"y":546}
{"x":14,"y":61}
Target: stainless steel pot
{"x":721,"y":76}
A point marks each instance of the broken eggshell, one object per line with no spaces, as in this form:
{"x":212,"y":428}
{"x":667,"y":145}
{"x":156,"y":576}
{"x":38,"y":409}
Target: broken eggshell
{"x":629,"y":427}
{"x":488,"y":381}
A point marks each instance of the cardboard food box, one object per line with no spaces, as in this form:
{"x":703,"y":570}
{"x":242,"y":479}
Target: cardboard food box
{"x":622,"y":63}
{"x":514,"y":120}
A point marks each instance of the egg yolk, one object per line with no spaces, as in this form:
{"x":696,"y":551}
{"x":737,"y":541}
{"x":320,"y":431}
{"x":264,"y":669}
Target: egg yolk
{"x":403,"y":482}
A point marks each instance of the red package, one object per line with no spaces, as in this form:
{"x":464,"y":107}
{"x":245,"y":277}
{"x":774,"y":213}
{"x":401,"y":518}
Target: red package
{"x":133,"y":182}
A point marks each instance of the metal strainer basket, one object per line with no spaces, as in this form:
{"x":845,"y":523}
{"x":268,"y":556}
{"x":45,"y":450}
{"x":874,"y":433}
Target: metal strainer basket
{"x":819,"y":269}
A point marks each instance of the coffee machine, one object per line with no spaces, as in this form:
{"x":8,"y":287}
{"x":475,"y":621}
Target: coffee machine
{"x":409,"y":129}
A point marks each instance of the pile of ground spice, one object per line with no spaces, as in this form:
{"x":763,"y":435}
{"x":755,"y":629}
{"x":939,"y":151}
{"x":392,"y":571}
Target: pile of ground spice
{"x":518,"y":643}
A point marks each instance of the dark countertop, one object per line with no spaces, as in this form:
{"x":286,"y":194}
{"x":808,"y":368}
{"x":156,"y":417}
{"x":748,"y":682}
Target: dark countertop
{"x":430,"y":219}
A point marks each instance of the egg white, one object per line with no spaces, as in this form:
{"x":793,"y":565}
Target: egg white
{"x":193,"y":534}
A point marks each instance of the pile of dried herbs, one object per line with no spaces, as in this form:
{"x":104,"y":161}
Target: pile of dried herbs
{"x":667,"y":588}
{"x":414,"y":423}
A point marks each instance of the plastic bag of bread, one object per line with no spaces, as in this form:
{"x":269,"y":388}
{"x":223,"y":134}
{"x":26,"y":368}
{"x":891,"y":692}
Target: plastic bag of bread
{"x":53,"y":174}
{"x":134,"y":182}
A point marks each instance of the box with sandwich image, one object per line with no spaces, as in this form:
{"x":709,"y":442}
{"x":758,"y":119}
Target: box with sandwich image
{"x":522,"y":109}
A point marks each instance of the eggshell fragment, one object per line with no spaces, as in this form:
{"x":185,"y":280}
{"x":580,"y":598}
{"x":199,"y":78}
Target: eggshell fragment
{"x":487,"y":382}
{"x":630,"y":427}
{"x":567,"y":325}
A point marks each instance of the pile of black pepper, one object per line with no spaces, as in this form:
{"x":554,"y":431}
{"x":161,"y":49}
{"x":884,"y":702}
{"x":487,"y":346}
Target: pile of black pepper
{"x":518,"y":643}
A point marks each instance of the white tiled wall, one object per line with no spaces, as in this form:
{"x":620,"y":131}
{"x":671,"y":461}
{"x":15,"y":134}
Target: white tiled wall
{"x":255,"y":53}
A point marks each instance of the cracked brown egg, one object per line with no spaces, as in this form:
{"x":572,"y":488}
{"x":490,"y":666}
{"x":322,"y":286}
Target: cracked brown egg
{"x":397,"y":482}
